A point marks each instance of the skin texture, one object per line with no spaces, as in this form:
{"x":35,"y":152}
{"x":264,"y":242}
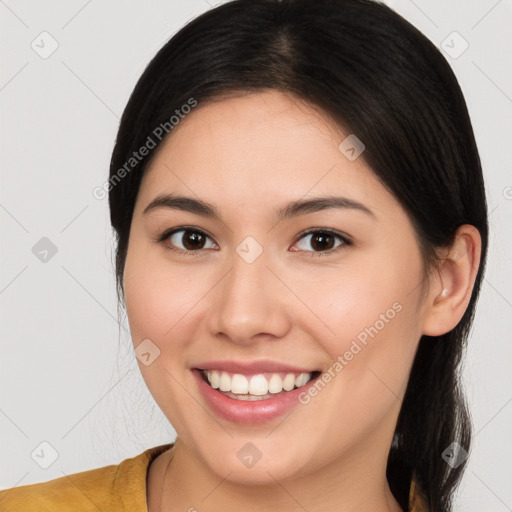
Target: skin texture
{"x":249,"y":155}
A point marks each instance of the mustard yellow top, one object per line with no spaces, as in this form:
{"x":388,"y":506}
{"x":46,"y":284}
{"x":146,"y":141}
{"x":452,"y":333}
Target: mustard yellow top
{"x":116,"y":488}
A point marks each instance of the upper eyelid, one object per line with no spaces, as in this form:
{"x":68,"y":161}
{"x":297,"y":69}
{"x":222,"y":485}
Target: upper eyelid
{"x":331,"y":231}
{"x":167,"y":233}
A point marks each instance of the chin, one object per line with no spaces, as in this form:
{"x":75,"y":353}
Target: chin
{"x":259,"y":462}
{"x":262,"y":473}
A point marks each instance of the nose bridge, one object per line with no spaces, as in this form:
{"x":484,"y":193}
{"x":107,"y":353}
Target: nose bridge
{"x":247,"y":301}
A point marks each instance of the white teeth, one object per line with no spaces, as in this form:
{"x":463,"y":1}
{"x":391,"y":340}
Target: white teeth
{"x":214,"y":379}
{"x":275,"y":384}
{"x":257,"y":385}
{"x":240,"y":384}
{"x":301,"y":379}
{"x":289,"y":382}
{"x":225,"y":382}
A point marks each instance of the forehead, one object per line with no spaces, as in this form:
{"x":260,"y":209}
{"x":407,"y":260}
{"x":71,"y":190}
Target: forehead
{"x":259,"y":148}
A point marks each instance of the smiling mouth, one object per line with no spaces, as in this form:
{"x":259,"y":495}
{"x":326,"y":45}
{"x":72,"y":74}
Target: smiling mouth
{"x":261,"y":386}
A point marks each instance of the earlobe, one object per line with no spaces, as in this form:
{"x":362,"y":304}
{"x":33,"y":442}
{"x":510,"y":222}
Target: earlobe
{"x":451,"y":284}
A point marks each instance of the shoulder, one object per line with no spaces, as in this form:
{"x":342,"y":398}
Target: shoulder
{"x":89,"y":490}
{"x":417,"y":499}
{"x":115,"y":487}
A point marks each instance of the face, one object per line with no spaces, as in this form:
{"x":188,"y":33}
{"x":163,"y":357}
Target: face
{"x":331,"y":290}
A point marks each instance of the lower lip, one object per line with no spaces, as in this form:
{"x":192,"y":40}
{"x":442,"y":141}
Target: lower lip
{"x":240,"y":411}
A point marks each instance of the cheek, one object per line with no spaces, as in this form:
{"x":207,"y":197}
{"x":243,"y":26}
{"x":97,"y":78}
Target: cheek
{"x":160,"y":301}
{"x":367,"y":321}
{"x":158,"y":295}
{"x":356,"y":296}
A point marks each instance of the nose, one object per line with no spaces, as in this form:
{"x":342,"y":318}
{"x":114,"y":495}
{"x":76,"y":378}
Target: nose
{"x":250,"y":303}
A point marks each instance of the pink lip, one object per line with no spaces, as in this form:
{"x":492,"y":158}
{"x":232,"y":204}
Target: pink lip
{"x":252,"y":367}
{"x":256,"y":412}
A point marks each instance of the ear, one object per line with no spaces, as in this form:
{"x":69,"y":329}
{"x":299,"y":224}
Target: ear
{"x":452,"y":283}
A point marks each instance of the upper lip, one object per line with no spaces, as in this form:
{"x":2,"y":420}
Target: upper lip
{"x":252,"y":367}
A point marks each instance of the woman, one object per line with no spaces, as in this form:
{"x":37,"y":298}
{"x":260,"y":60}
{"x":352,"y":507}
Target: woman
{"x":301,"y":237}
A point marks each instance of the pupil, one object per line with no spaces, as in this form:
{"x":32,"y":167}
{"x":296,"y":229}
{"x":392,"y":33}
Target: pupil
{"x":194,"y":237}
{"x":323,"y":243}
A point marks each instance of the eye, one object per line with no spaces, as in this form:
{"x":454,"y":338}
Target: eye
{"x":187,"y":241}
{"x":190,"y":241}
{"x":323,"y":241}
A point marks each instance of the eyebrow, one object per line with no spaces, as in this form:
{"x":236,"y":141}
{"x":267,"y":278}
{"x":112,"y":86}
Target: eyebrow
{"x":291,"y":209}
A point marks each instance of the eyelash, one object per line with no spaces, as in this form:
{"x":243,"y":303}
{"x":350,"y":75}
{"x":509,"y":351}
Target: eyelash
{"x":344,"y":238}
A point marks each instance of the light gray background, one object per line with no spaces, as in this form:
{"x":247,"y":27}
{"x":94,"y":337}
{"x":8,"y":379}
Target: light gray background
{"x":64,"y":379}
